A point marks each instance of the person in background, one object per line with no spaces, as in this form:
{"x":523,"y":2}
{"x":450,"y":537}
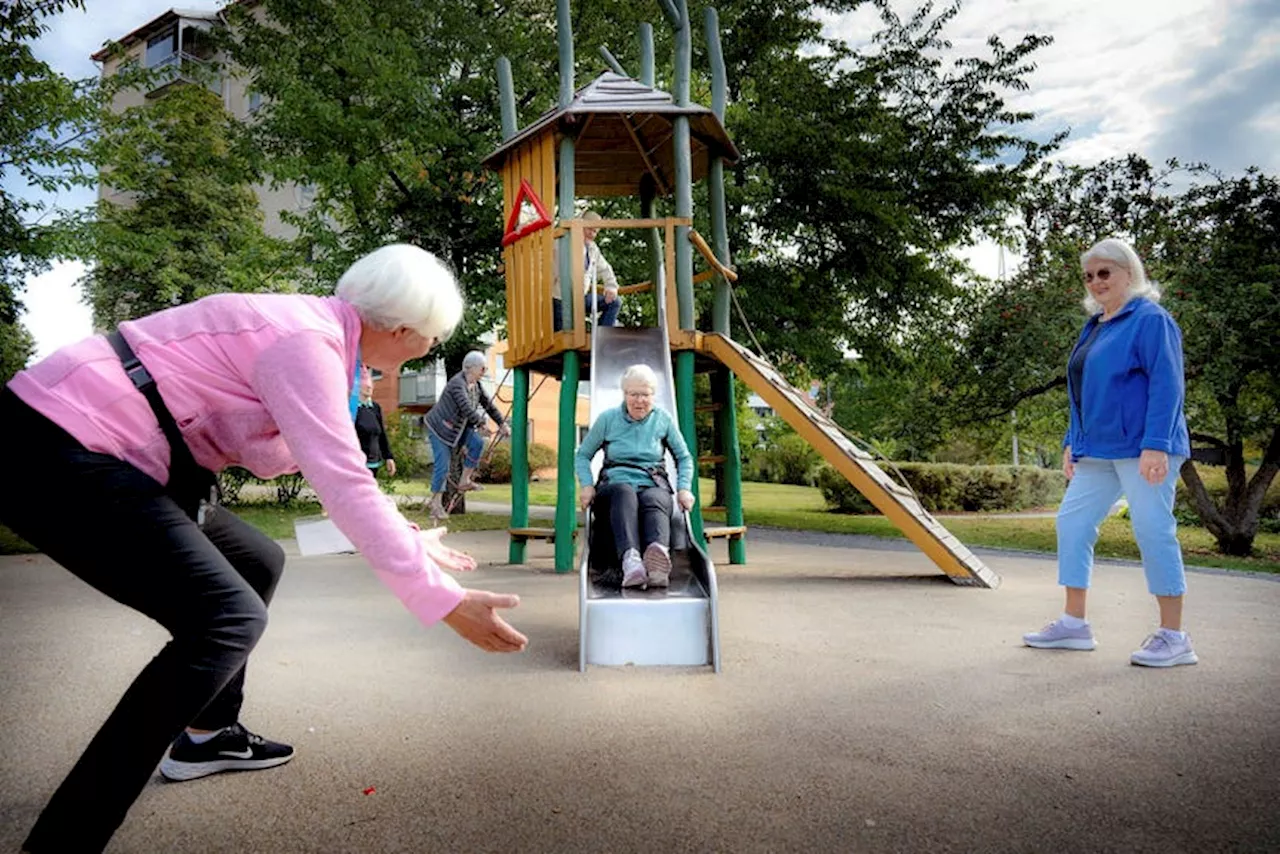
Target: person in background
{"x":596,"y":272}
{"x":634,"y":493}
{"x":1127,"y":435}
{"x":459,"y":419}
{"x":370,"y":429}
{"x":137,"y":423}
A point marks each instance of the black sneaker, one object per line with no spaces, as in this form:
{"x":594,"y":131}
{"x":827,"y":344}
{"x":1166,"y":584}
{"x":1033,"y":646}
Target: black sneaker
{"x":233,"y":749}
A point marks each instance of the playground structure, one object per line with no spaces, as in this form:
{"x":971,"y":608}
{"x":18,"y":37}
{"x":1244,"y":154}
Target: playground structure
{"x":621,"y":136}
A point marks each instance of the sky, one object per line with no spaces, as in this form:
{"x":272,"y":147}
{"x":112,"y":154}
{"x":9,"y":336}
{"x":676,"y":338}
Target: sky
{"x":1194,"y":79}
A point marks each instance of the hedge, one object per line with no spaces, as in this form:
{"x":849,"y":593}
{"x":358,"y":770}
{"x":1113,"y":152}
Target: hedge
{"x":496,"y":466}
{"x":944,"y":487}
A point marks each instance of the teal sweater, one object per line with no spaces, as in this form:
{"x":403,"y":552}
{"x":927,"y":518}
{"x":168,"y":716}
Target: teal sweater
{"x":636,"y":442}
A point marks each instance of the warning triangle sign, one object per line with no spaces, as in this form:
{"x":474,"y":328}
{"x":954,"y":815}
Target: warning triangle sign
{"x":528,"y":215}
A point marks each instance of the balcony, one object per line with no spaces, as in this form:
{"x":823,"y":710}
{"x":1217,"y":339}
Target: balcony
{"x":183,"y":67}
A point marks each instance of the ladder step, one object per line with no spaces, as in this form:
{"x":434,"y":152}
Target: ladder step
{"x":711,"y":458}
{"x":715,"y":508}
{"x":709,"y":407}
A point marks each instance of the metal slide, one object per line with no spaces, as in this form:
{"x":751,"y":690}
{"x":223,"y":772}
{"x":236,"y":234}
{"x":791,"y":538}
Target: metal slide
{"x":675,"y":626}
{"x":891,"y":498}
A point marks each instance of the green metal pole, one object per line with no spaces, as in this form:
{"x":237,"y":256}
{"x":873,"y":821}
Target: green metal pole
{"x":566,"y":505}
{"x":646,"y":54}
{"x":519,"y":461}
{"x":688,"y":429}
{"x":612,"y":61}
{"x":507,"y":98}
{"x":564,"y":38}
{"x":647,"y":192}
{"x":727,"y":415}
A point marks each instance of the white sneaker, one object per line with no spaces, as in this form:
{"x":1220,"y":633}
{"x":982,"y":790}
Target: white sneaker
{"x":633,"y":572}
{"x":1162,"y":649}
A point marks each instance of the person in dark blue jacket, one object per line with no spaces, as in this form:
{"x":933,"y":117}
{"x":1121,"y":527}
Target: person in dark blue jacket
{"x":1127,"y":435}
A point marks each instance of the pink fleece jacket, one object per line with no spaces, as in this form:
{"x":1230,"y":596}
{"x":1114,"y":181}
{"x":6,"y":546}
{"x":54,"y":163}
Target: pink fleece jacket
{"x":258,"y":381}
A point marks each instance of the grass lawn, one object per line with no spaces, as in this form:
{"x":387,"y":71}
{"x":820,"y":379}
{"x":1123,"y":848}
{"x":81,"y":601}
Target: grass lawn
{"x":802,"y":508}
{"x":797,"y":508}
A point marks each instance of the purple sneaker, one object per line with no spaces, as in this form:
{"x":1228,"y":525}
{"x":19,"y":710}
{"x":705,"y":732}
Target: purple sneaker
{"x":1057,"y":636}
{"x":1162,"y":649}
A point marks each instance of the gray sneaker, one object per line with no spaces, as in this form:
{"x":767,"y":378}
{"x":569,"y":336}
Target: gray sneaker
{"x":1163,"y":650}
{"x":657,"y":563}
{"x":1057,"y":636}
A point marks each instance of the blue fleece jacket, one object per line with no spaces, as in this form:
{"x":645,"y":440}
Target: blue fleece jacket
{"x":642,"y":443}
{"x":1132,"y":392}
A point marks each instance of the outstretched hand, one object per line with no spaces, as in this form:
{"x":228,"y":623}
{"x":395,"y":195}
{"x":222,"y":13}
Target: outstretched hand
{"x":476,"y":620}
{"x":445,"y":557}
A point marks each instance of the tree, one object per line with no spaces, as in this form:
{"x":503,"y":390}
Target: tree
{"x":190,"y":225}
{"x":1222,"y":264}
{"x":42,"y":127}
{"x":1214,"y":243}
{"x":386,"y":110}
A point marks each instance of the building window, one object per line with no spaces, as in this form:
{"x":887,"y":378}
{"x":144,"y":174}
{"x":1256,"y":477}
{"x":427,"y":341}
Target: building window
{"x":529,"y":429}
{"x":582,"y":432}
{"x":255,"y":102}
{"x":160,"y":48}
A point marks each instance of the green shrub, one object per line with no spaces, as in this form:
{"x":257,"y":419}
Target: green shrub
{"x":412,"y":453}
{"x":496,"y":466}
{"x":790,"y":459}
{"x":231,"y":481}
{"x":948,"y":487}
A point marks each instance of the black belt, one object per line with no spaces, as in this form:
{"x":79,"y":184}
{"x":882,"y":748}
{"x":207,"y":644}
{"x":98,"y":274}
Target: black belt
{"x":194,"y":487}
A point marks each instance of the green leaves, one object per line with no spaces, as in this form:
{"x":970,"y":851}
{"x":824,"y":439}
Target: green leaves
{"x":180,"y":219}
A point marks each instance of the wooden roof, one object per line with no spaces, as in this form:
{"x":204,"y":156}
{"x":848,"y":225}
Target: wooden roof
{"x":622,"y":130}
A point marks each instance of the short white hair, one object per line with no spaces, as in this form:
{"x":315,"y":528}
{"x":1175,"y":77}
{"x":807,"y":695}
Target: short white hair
{"x":474,"y":359}
{"x":639,"y":374}
{"x":1118,"y":252}
{"x":403,"y":285}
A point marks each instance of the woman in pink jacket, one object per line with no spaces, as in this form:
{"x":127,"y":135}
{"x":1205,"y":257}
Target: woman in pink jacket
{"x":138,"y":421}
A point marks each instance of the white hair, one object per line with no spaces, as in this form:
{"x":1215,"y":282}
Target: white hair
{"x":403,"y":285}
{"x":639,"y":374}
{"x":1118,"y":252}
{"x":474,"y":359}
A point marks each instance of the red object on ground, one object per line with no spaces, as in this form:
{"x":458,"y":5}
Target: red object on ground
{"x":370,"y":790}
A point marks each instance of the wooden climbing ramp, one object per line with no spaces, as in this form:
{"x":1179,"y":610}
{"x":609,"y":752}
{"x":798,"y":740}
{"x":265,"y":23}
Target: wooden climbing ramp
{"x":891,"y":498}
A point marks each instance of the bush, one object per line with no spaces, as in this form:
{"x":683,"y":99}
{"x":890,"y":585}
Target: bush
{"x":948,"y":487}
{"x":790,"y":459}
{"x":231,"y":481}
{"x":412,"y":453}
{"x":496,"y":468}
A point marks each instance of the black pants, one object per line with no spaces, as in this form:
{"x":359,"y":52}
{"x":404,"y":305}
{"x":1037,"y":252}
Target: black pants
{"x":209,"y":588}
{"x":637,"y":516}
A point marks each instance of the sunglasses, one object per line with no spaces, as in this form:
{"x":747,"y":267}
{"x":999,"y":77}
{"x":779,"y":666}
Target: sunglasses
{"x":1103,"y":275}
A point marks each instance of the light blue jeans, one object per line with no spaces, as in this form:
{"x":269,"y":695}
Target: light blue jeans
{"x":1092,"y":492}
{"x":441,"y":452}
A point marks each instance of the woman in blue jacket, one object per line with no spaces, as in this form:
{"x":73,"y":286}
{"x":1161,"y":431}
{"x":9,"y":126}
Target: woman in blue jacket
{"x":1127,"y":435}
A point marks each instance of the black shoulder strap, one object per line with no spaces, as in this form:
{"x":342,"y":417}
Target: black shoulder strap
{"x":184,"y":471}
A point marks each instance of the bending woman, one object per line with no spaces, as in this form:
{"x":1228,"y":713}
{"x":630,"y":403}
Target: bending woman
{"x":634,"y":493}
{"x":136,"y":423}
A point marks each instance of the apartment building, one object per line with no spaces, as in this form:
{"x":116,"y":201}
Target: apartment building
{"x":178,"y":46}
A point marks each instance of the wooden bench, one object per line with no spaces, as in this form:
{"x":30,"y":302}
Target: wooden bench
{"x":526,"y":534}
{"x":732,"y":532}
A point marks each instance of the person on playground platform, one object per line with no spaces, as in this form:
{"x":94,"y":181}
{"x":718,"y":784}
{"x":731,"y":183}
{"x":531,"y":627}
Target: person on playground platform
{"x":634,"y":493}
{"x":1127,"y":435}
{"x":596,"y":271}
{"x":458,"y":418}
{"x":136,"y":423}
